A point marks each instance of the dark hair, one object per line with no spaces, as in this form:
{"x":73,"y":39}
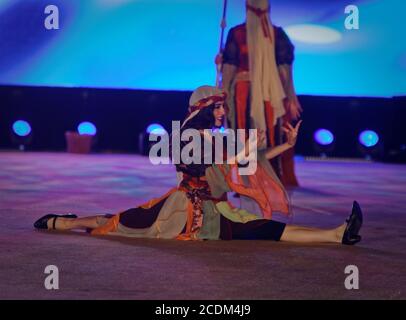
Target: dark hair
{"x":203,"y":120}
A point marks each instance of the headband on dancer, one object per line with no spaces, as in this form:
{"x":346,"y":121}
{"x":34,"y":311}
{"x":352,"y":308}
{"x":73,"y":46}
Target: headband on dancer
{"x":203,"y":97}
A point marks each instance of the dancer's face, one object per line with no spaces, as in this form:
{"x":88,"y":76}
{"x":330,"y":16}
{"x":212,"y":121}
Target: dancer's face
{"x":218,"y":113}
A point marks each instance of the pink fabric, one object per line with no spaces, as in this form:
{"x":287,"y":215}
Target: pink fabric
{"x":262,"y":188}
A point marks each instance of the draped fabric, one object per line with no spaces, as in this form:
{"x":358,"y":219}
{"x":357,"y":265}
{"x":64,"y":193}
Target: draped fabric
{"x":264,"y":76}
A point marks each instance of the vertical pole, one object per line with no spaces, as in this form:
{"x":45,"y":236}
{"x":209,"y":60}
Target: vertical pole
{"x":221,"y":45}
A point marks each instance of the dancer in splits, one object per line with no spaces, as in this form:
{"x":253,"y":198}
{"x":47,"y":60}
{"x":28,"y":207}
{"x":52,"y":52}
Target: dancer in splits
{"x":197,"y":209}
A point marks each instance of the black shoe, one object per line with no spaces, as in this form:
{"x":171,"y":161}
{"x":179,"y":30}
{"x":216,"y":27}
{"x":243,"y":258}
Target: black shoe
{"x":354,"y":222}
{"x":42,"y":223}
{"x":351,"y":241}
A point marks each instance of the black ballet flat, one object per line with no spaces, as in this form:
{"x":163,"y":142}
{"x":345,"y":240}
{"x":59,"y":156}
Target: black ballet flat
{"x":42,"y":223}
{"x":354,"y":222}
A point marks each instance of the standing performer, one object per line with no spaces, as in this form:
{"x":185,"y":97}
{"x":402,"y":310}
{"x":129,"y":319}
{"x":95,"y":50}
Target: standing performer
{"x":198,"y":208}
{"x":257,"y":75}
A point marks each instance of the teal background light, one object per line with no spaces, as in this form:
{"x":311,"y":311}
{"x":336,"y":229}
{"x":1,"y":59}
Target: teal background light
{"x":324,"y":137}
{"x":171,"y":45}
{"x":87,"y":128}
{"x":368,"y":138}
{"x":21,"y":128}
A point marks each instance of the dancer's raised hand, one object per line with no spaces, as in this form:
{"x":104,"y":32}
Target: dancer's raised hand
{"x":292,"y":132}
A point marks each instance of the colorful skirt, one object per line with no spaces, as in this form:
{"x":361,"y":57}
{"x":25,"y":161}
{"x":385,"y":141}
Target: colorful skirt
{"x":198,"y":210}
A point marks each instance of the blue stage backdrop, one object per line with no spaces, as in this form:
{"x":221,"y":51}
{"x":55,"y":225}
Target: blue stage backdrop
{"x":171,"y":44}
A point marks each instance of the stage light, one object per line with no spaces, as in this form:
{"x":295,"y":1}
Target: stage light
{"x":370,"y":145}
{"x":324,"y":137}
{"x":21,"y":134}
{"x":21,"y":128}
{"x":144,"y":143}
{"x":156,"y":129}
{"x":313,"y":34}
{"x":368,"y":138}
{"x":87,"y":128}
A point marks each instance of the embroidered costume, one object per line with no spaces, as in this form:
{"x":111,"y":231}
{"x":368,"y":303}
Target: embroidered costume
{"x":197,"y":208}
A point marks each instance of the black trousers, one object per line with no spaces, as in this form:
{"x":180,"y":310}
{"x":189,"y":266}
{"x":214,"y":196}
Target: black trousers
{"x":261,"y":229}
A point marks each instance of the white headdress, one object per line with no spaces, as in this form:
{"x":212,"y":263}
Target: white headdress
{"x":202,"y":97}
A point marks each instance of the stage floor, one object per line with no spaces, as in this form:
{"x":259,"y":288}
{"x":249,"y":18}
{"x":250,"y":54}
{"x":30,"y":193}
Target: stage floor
{"x":32,"y":184}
